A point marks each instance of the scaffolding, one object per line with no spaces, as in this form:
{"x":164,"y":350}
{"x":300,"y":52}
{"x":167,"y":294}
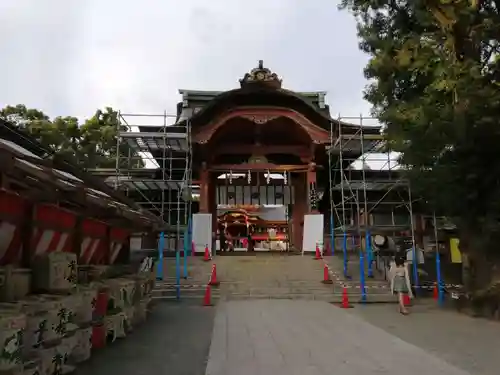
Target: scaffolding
{"x":368,"y":193}
{"x":154,"y":167}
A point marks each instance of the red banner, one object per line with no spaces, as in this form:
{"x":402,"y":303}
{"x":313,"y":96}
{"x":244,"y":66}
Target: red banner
{"x":12,"y":208}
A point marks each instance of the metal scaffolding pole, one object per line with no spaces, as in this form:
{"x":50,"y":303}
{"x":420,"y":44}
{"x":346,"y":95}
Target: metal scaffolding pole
{"x":370,"y":190}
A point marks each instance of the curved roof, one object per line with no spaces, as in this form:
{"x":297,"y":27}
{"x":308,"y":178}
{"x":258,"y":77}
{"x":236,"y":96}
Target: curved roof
{"x":260,"y":96}
{"x":261,"y":87}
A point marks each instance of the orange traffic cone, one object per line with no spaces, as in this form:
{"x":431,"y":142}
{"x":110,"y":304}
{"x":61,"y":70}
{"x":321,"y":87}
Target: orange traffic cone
{"x":213,"y":277}
{"x":345,"y":299}
{"x":206,"y":257}
{"x":207,"y":299}
{"x":318,"y":254}
{"x":326,"y":275}
{"x":406,"y":300}
{"x":435,"y":292}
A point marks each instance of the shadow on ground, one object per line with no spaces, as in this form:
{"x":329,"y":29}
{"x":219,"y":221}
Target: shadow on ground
{"x":175,"y":340}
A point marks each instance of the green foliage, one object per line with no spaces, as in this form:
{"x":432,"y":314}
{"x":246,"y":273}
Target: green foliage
{"x":435,"y":83}
{"x":92,"y":144}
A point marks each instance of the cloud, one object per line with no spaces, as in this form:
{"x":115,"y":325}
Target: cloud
{"x":71,"y":57}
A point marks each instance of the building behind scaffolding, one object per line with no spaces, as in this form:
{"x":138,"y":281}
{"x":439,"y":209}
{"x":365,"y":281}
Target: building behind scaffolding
{"x":368,"y":194}
{"x":156,"y":172}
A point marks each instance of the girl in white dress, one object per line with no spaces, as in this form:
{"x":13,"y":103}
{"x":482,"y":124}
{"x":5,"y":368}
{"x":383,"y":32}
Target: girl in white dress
{"x":400,"y":282}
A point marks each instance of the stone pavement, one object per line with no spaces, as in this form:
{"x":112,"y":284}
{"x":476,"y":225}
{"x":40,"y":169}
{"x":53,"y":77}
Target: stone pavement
{"x":174,"y":340}
{"x":310,"y":337}
{"x":472,"y":344}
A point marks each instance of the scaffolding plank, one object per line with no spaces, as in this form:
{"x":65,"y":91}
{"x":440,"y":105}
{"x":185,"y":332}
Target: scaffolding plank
{"x":126,"y":182}
{"x":357,"y":143}
{"x":151,"y":141}
{"x":378,"y":185}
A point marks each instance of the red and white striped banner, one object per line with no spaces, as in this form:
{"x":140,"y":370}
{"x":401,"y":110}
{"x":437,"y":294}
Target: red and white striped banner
{"x":119,"y":237}
{"x":53,"y":230}
{"x":10,"y":243}
{"x":12,"y":208}
{"x":94,"y":241}
{"x":48,"y":241}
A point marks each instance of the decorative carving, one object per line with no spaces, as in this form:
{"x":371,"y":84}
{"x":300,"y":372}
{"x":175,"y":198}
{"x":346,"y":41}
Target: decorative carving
{"x":257,"y":159}
{"x":259,"y":119}
{"x":261,"y":75}
{"x":313,"y":197}
{"x":314,"y":131}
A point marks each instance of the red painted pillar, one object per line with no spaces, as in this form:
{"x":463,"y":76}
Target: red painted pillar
{"x":299,"y":208}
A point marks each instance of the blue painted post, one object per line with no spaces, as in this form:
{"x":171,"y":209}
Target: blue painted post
{"x":159,"y":268}
{"x":415,"y":269}
{"x":177,"y":274}
{"x":332,"y":234}
{"x":439,"y":278}
{"x":190,"y":236}
{"x":344,"y":248}
{"x":186,"y":247}
{"x":362,"y":274}
{"x":369,"y":253}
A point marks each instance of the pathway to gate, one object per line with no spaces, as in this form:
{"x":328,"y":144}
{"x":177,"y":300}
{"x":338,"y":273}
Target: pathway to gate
{"x":312,"y":337}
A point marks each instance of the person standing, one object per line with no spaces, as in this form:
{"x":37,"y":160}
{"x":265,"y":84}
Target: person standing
{"x":400,"y":282}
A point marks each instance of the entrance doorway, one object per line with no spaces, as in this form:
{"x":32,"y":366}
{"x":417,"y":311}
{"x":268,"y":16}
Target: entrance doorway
{"x":253,"y":217}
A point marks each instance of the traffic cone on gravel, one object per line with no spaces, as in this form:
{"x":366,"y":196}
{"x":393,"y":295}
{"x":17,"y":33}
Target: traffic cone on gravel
{"x":206,"y":256}
{"x":318,"y":254}
{"x":326,"y":275}
{"x":207,"y":299}
{"x":213,"y":276}
{"x":345,"y":299}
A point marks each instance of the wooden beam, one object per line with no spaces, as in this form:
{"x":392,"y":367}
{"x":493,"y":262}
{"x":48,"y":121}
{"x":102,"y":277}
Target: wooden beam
{"x":298,"y":150}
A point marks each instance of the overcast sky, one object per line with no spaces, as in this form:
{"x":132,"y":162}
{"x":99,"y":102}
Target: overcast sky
{"x":69,"y":57}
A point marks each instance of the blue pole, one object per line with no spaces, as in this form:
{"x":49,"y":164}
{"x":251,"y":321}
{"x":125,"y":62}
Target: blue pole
{"x":186,"y":239}
{"x":415,"y":268}
{"x":369,"y":253}
{"x":178,"y":274}
{"x":190,"y":236}
{"x":159,"y":268}
{"x":362,"y":274}
{"x":332,"y":234}
{"x":344,"y":248}
{"x":439,"y":278}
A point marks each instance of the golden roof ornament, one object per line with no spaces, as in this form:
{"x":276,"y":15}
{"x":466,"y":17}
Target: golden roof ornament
{"x":262,"y":76}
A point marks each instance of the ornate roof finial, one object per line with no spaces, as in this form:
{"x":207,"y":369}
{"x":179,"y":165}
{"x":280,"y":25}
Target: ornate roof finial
{"x":262,"y":76}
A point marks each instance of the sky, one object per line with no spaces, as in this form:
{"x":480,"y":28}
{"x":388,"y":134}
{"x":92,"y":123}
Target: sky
{"x":70,"y":57}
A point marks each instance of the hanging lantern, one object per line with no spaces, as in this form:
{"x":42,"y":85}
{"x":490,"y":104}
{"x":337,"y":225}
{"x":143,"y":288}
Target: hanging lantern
{"x":285,"y":178}
{"x":230,"y":177}
{"x":268,"y":177}
{"x":249,"y":178}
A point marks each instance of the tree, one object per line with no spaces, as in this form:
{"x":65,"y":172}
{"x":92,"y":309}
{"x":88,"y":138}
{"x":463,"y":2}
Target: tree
{"x":92,"y":144}
{"x":435,"y":83}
